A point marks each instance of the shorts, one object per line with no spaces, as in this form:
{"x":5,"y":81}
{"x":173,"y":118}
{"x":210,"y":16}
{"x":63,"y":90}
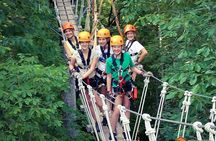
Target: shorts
{"x":91,"y":81}
{"x":127,"y":88}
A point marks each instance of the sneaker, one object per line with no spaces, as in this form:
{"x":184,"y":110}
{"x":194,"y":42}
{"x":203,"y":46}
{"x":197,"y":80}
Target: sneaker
{"x":110,"y":138}
{"x":124,"y":135}
{"x":104,"y":121}
{"x":97,"y":127}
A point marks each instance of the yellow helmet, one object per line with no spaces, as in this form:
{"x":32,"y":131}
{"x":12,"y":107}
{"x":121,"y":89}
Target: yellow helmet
{"x":103,"y":33}
{"x":116,"y":40}
{"x":129,"y":27}
{"x":84,"y":36}
{"x":67,"y":25}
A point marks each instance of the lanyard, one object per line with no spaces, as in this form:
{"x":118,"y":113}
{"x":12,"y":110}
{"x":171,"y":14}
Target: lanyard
{"x":105,"y":55}
{"x":73,"y":46}
{"x":85,"y":62}
{"x":128,"y":46}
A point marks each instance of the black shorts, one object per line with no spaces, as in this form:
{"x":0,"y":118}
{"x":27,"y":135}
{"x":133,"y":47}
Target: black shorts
{"x":126,"y":88}
{"x":90,"y":81}
{"x":100,"y":80}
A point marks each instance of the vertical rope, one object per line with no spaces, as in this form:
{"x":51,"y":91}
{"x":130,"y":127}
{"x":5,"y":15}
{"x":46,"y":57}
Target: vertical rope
{"x":185,"y":109}
{"x":76,"y":9}
{"x":141,"y":108}
{"x":96,"y":112}
{"x":105,"y":108}
{"x":87,"y":21}
{"x":86,"y":105}
{"x":125,"y":122}
{"x":150,"y":132}
{"x":81,"y":13}
{"x":116,"y":17}
{"x":100,"y":7}
{"x":160,"y":107}
{"x":59,"y":20}
{"x":95,"y":22}
{"x":212,"y":116}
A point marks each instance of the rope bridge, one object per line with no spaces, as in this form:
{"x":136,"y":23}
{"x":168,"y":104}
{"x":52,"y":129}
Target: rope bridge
{"x":73,"y":11}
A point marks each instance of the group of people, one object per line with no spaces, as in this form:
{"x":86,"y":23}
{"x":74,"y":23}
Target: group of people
{"x":110,"y":67}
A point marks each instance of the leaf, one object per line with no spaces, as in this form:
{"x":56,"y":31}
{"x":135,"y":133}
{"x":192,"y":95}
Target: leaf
{"x":196,"y":88}
{"x":182,"y":78}
{"x":197,"y":68}
{"x":170,"y":96}
{"x":183,"y":54}
{"x":213,"y":82}
{"x":193,"y":79}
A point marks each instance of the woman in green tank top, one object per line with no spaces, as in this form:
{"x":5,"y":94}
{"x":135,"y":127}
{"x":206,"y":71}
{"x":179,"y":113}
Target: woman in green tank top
{"x":118,"y":78}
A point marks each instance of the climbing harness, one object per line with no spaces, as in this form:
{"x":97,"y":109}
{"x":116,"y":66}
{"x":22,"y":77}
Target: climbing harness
{"x":122,"y":86}
{"x":85,"y":62}
{"x":75,"y":47}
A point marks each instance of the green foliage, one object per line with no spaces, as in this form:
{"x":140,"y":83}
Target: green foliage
{"x":186,"y":56}
{"x":30,"y":100}
{"x":24,"y":28}
{"x":33,"y":75}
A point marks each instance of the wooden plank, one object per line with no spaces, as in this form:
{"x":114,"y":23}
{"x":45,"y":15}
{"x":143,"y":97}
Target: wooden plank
{"x":60,"y":1}
{"x":63,"y":17}
{"x":60,"y":4}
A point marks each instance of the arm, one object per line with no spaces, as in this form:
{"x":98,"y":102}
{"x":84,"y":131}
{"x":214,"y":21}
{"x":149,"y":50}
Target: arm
{"x":68,"y":50}
{"x":136,"y":70}
{"x":143,"y":54}
{"x":72,"y":63}
{"x":92,"y":68}
{"x":109,"y":79}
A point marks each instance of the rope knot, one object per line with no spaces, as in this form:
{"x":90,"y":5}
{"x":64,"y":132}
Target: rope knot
{"x":214,"y":99}
{"x":197,"y":126}
{"x":150,"y":132}
{"x":208,"y":127}
{"x":146,"y":117}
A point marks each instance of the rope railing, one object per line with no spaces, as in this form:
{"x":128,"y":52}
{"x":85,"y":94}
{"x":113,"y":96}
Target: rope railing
{"x":150,"y":132}
{"x":97,"y":113}
{"x":179,"y":89}
{"x":58,"y":19}
{"x":141,"y":107}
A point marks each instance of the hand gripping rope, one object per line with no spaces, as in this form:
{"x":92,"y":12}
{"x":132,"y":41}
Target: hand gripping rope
{"x":90,"y":90}
{"x":160,"y":107}
{"x":185,"y":109}
{"x":125,"y":122}
{"x":150,"y":132}
{"x":212,"y":132}
{"x":197,"y":126}
{"x":141,"y":105}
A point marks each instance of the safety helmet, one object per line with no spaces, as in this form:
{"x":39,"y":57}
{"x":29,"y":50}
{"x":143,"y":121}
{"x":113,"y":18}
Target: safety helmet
{"x":84,"y":36}
{"x":103,"y":33}
{"x":67,"y":25}
{"x":129,"y":27}
{"x":116,"y":40}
